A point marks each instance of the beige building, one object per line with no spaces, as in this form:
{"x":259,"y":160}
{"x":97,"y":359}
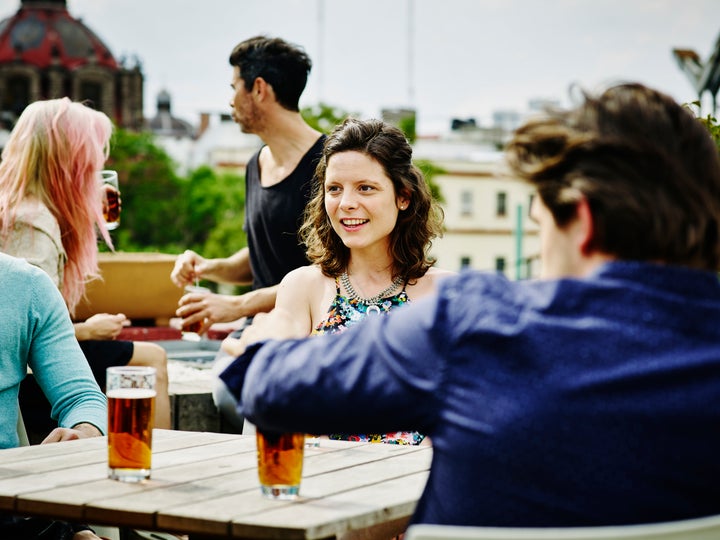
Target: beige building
{"x":487,"y":226}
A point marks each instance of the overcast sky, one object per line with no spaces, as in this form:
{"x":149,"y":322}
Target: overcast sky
{"x":459,"y":58}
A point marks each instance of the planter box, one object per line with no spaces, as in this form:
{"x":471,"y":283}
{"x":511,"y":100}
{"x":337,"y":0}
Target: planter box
{"x":136,"y":284}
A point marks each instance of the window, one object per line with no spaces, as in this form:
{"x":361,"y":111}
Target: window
{"x":501,"y":204}
{"x":92,"y":93}
{"x":466,"y":203}
{"x":17,"y":96}
{"x":500,"y":265}
{"x":465,"y":262}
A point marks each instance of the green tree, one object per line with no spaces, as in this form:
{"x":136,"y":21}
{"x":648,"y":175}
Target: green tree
{"x":408,"y":126}
{"x":150,"y":192}
{"x":324,"y":117}
{"x":214,"y":206}
{"x":430,"y":170}
{"x":709,"y":121}
{"x":164,"y":212}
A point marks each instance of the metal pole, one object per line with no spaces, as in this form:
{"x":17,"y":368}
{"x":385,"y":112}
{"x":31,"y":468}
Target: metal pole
{"x":518,"y":242}
{"x":411,"y":53}
{"x":321,"y":49}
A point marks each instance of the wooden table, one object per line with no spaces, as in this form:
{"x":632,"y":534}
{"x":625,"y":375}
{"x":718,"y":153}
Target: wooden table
{"x":205,"y":485}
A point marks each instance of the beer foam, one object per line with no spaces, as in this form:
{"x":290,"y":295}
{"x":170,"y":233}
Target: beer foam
{"x":131,"y":393}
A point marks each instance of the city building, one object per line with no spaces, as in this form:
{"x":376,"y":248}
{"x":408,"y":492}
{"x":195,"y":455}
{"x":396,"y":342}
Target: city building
{"x":175,"y":135}
{"x":486,"y":211}
{"x":46,"y":53}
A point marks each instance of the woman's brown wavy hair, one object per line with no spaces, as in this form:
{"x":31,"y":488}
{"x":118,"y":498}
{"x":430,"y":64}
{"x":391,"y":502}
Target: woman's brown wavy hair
{"x":416,"y":226}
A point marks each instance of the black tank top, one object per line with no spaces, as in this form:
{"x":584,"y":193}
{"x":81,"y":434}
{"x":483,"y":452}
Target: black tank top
{"x":273,"y":216}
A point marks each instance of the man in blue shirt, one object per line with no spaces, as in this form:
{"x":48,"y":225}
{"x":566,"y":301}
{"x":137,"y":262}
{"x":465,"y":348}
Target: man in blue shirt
{"x":588,"y":397}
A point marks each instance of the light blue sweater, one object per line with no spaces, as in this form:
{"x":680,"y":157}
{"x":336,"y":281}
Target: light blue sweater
{"x":36,"y":331}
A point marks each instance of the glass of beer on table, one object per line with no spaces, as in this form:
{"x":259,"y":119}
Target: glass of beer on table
{"x":131,"y":413}
{"x":111,"y":198}
{"x":280,"y":462}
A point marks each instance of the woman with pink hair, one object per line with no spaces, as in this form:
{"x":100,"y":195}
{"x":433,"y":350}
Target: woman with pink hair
{"x":50,"y":210}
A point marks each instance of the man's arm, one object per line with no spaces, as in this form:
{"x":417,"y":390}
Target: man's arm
{"x":379,"y":375}
{"x":234,"y":269}
{"x":212,"y":308}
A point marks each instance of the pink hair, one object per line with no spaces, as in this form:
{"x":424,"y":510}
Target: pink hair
{"x":54,"y":154}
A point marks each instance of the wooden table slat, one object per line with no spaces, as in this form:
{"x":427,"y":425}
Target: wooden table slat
{"x":206,"y":484}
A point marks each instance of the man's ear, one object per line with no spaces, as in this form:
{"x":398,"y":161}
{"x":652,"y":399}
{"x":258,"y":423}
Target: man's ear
{"x":260,"y":89}
{"x":586,"y":228}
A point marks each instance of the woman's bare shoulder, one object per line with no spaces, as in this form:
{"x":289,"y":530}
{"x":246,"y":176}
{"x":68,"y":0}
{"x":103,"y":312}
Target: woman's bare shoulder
{"x":305,"y":276}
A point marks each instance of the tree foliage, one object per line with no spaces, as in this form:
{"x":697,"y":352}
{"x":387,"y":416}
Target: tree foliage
{"x":164,"y":212}
{"x":150,"y":191}
{"x":709,"y":121}
{"x":324,"y":117}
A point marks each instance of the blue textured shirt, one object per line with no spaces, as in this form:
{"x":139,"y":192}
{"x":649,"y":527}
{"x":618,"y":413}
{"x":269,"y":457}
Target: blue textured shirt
{"x":36,"y":331}
{"x":549,"y":403}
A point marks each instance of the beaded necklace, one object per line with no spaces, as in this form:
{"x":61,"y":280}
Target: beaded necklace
{"x":374,"y":300}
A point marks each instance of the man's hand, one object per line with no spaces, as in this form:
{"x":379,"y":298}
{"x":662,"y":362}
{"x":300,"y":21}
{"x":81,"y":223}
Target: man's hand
{"x":208,"y":309}
{"x":278,"y":324}
{"x":189,"y":267}
{"x":78,"y":431}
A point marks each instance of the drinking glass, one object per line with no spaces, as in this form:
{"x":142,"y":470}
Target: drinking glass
{"x":191,"y":332}
{"x":280,"y":462}
{"x":111,"y":198}
{"x":131,"y":413}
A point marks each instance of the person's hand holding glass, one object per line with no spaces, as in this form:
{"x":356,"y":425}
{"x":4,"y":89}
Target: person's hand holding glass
{"x":112,"y":203}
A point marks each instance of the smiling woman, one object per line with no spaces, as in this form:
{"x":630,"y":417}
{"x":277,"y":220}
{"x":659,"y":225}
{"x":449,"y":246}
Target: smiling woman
{"x":368,"y":229}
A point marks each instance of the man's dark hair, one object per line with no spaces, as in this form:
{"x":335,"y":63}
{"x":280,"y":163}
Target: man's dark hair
{"x":647,"y":167}
{"x":283,"y":65}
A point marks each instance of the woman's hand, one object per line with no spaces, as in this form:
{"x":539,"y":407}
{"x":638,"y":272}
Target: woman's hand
{"x":102,"y":326}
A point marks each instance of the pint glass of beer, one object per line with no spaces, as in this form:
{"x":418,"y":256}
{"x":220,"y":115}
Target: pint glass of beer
{"x":280,"y":461}
{"x":131,"y":414}
{"x":111,"y":198}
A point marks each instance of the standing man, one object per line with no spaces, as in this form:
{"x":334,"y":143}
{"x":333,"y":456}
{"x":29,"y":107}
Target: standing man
{"x":269,"y":75}
{"x":588,"y":397}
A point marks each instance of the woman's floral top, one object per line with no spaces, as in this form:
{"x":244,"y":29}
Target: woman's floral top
{"x":343,"y":313}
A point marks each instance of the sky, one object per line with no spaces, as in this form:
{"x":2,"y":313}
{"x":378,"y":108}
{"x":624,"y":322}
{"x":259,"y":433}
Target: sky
{"x":457,"y":59}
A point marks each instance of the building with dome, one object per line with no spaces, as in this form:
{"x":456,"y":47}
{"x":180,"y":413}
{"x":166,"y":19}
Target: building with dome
{"x":45,"y":53}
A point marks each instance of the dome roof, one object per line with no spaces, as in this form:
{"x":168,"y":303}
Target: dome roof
{"x":42,"y":33}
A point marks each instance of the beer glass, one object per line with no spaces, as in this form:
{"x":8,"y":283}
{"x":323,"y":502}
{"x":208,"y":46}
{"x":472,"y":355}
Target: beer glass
{"x":280,"y":462}
{"x":131,"y":416}
{"x":111,"y":199}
